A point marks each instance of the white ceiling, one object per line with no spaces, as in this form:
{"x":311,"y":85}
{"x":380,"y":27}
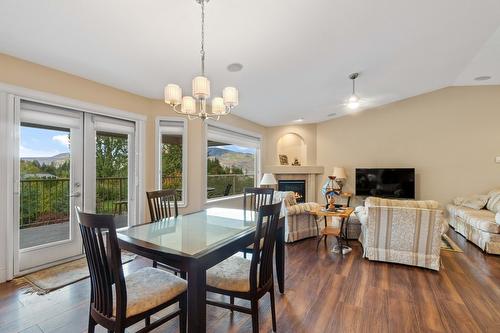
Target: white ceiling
{"x":296,"y":54}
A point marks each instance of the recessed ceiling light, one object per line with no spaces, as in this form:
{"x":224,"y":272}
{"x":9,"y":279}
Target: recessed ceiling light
{"x":333,"y":114}
{"x":299,"y":120}
{"x":482,"y":78}
{"x":235,"y":67}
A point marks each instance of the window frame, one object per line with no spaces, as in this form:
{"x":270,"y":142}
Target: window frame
{"x":158,"y":172}
{"x":241,"y":133}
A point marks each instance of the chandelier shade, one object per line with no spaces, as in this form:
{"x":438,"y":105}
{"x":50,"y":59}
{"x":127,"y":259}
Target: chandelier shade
{"x":173,"y":94}
{"x":230,"y":96}
{"x":201,"y":87}
{"x":188,"y":105}
{"x":195,"y":106}
{"x":218,"y":106}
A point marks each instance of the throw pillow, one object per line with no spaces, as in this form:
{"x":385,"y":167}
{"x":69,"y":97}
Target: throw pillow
{"x":494,"y":201}
{"x":476,"y":202}
{"x":458,"y":201}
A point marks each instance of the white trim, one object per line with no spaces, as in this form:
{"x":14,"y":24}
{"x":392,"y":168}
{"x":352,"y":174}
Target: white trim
{"x":258,"y":161}
{"x":6,"y":179}
{"x":184,"y":202}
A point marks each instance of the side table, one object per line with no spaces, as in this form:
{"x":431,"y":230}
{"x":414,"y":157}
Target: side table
{"x":340,"y":233}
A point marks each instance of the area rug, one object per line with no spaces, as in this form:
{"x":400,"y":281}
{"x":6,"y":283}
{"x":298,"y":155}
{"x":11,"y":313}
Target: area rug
{"x":449,"y":245}
{"x":53,"y":278}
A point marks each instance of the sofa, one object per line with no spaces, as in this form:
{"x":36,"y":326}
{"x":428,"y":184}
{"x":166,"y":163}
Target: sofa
{"x":402,"y":231}
{"x":478,"y":219}
{"x":299,"y":224}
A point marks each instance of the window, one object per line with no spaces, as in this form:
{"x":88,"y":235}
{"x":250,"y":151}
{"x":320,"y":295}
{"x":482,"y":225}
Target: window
{"x":172,"y":157}
{"x":232,"y":161}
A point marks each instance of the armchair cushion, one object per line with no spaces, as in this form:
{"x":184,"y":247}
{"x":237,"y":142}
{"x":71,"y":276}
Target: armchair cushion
{"x":476,"y":202}
{"x":493,"y":204}
{"x":302,"y":208}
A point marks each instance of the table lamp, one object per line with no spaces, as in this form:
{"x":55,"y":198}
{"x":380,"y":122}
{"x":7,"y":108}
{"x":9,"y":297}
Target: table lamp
{"x":339,"y":176}
{"x":268,"y":179}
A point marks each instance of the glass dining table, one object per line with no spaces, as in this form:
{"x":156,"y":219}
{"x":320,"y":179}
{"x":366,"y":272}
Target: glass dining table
{"x":195,"y":242}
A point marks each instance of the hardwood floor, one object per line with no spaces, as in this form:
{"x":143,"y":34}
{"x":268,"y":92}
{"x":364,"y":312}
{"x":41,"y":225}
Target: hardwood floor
{"x":324,"y":293}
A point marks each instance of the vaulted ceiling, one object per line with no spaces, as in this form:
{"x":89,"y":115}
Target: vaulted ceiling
{"x":297,"y":55}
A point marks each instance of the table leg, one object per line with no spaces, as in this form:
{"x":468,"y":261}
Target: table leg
{"x":280,"y":259}
{"x":197,"y":315}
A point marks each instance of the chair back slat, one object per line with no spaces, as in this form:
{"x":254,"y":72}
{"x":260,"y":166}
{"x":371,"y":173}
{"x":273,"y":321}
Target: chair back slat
{"x":255,"y":197}
{"x":262,"y":256}
{"x":104,"y":262}
{"x":160,"y":204}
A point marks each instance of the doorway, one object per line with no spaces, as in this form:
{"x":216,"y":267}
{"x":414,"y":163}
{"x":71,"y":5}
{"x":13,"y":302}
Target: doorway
{"x":67,"y":159}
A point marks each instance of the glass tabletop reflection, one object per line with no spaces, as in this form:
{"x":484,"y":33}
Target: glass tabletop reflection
{"x":194,"y":233}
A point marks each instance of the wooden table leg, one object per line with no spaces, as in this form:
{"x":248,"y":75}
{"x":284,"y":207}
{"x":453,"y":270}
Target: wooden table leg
{"x":280,"y":259}
{"x":197,"y":315}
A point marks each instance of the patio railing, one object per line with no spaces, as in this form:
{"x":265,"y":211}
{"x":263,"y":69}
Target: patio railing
{"x":46,"y":201}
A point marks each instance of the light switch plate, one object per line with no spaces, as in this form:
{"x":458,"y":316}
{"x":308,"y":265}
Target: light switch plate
{"x":497,"y":159}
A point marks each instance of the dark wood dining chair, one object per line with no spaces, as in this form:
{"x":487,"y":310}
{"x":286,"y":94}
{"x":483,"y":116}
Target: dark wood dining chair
{"x":238,"y":277}
{"x":160,"y":207}
{"x":160,"y":204}
{"x":253,"y":199}
{"x":118,"y":301}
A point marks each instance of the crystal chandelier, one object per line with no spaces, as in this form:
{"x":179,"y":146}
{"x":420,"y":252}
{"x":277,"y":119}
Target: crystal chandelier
{"x":196,"y":106}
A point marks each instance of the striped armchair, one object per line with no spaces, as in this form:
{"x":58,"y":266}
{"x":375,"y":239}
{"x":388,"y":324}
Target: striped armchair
{"x":298,"y":223}
{"x":402,"y":231}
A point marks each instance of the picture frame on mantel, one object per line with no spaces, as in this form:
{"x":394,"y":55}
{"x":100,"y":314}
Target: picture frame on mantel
{"x":283,"y":159}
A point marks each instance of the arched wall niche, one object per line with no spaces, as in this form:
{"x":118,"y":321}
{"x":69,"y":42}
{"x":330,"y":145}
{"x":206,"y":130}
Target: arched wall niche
{"x":293,"y":146}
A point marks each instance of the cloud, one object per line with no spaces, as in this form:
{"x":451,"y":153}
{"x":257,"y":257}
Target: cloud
{"x":62,"y":139}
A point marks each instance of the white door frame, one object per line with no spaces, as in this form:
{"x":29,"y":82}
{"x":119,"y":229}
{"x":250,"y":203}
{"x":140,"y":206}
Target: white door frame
{"x":7,"y":94}
{"x":44,"y":254}
{"x":93,"y":124}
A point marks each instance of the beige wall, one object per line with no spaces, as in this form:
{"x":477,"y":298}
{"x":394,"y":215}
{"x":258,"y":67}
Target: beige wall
{"x":451,"y":136}
{"x":273,"y":135}
{"x":29,"y":75}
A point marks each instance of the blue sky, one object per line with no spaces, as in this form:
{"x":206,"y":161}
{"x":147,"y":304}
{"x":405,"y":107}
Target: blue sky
{"x":37,"y":142}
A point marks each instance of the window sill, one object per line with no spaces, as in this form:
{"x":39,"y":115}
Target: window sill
{"x":214,"y":200}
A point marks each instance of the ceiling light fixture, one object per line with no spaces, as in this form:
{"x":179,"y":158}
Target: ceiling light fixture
{"x":235,"y":67}
{"x":299,"y":120}
{"x":196,"y":106}
{"x":353,"y":102}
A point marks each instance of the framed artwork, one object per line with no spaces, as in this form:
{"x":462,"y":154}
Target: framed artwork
{"x":283,"y":159}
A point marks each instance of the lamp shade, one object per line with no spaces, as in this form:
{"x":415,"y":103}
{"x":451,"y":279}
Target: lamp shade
{"x":173,"y":94}
{"x":201,"y":87}
{"x":230,"y":95}
{"x":188,"y":105}
{"x":268,"y":179}
{"x":339,"y":173}
{"x":218,"y":106}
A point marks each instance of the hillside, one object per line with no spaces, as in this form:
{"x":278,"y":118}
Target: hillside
{"x":55,"y":160}
{"x":229,"y":158}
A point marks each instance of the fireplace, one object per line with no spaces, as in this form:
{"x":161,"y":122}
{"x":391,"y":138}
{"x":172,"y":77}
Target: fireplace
{"x":297,"y":186}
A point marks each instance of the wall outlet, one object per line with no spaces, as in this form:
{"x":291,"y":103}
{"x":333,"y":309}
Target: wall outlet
{"x":497,"y":159}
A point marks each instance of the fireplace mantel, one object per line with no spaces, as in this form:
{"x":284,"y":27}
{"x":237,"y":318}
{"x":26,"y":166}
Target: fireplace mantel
{"x":305,"y":172}
{"x":294,"y":170}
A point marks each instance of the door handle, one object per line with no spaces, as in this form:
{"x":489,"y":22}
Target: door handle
{"x":75,"y":195}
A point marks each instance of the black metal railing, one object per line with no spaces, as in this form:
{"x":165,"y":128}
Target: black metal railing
{"x":46,"y":201}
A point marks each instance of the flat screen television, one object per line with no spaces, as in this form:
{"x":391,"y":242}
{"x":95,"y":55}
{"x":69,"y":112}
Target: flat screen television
{"x":386,"y":183}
